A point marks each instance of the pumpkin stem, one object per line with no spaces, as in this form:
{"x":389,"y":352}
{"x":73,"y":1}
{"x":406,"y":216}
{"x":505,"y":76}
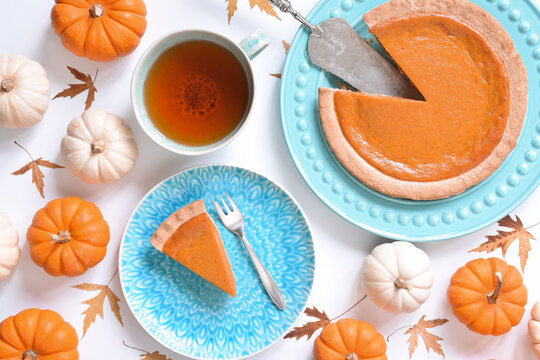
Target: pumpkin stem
{"x":7,"y":85}
{"x":62,"y":237}
{"x":29,"y":355}
{"x":351,"y":356}
{"x":400,"y":284}
{"x":96,"y":10}
{"x":97,"y":146}
{"x":494,"y":294}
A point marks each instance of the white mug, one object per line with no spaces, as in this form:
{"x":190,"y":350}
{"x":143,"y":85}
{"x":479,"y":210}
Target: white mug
{"x":246,"y":50}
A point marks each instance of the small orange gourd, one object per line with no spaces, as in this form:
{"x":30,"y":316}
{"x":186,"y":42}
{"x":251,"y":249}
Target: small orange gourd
{"x":100,"y":30}
{"x":488,"y":296}
{"x":68,"y":236}
{"x":35,"y":334}
{"x":349,"y":339}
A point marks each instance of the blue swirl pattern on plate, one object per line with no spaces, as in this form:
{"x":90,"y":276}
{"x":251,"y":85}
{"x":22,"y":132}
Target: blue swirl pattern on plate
{"x":186,"y":313}
{"x":402,"y":219}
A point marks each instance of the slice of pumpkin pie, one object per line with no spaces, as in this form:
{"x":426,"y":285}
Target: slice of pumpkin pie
{"x":190,"y":237}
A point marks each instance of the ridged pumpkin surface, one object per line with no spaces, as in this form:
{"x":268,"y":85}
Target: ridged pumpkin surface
{"x":68,"y":236}
{"x":470,"y":288}
{"x":348,"y":337}
{"x":100,"y":30}
{"x":35,"y":334}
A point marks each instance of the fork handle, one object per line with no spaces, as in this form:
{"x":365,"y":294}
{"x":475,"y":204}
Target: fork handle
{"x":269,"y":284}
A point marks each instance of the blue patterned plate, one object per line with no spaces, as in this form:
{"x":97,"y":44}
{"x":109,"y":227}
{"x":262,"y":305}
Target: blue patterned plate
{"x":186,"y":313}
{"x":472,"y":210}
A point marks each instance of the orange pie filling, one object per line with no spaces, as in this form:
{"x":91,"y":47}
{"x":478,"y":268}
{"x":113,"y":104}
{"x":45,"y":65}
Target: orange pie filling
{"x":190,"y":237}
{"x":466,"y":87}
{"x":197,"y":245}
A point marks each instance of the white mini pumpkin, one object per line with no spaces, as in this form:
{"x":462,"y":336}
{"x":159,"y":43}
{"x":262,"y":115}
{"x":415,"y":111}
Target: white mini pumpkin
{"x":534,"y":329}
{"x":24,"y":91}
{"x":99,"y":147}
{"x":9,"y":247}
{"x":397,"y":277}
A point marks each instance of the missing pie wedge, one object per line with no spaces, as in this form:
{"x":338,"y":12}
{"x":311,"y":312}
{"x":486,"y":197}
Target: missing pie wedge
{"x":475,"y":88}
{"x":190,"y":237}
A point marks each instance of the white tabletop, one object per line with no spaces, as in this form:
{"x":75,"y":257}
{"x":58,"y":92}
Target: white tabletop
{"x":340,"y":247}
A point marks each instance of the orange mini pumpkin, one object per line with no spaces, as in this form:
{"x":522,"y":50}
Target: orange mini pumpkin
{"x":488,"y":296}
{"x":349,"y":339}
{"x":68,"y":236}
{"x":35,"y":334}
{"x":100,"y":30}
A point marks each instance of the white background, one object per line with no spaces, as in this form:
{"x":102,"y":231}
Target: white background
{"x":340,"y":247}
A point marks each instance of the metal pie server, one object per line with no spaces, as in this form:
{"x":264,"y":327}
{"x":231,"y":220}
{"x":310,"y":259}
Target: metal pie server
{"x":335,"y":47}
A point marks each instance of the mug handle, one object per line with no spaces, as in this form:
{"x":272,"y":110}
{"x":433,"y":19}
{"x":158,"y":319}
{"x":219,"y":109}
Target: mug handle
{"x":254,"y":44}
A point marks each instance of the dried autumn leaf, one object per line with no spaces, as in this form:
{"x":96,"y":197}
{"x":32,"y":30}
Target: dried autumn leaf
{"x":264,"y":5}
{"x":37,"y":175}
{"x":316,"y":313}
{"x":95,"y":307}
{"x":309,"y":328}
{"x":154,"y":356}
{"x":504,"y":239}
{"x":431,"y":341}
{"x":231,"y":8}
{"x":75,"y":89}
{"x":276,"y":75}
{"x":114,"y":303}
{"x":88,"y":287}
{"x":286,"y":46}
{"x":147,"y":355}
{"x":95,"y":304}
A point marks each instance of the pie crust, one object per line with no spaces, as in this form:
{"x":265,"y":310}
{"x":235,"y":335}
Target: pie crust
{"x":478,"y":19}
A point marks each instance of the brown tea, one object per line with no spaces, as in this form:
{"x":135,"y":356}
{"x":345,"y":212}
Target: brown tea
{"x":196,"y":93}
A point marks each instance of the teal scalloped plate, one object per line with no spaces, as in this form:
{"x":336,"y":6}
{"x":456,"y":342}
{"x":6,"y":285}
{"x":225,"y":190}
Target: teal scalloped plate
{"x":187,"y":314}
{"x":394,"y":218}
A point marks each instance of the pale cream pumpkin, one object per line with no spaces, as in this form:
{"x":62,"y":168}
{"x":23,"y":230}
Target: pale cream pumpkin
{"x":24,"y":91}
{"x":9,"y":247}
{"x":99,"y":147}
{"x":397,"y":277}
{"x":534,"y":329}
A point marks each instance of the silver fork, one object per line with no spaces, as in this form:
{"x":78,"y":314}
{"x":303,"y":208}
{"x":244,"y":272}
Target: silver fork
{"x":234,"y":221}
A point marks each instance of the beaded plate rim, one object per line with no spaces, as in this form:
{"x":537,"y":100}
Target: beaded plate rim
{"x":161,"y":182}
{"x":332,"y":183}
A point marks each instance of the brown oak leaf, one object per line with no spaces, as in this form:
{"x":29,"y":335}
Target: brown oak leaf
{"x":276,"y":75}
{"x":95,"y":304}
{"x":431,"y":341}
{"x":504,"y":239}
{"x":264,"y":5}
{"x":37,"y":175}
{"x":316,"y":313}
{"x":309,"y":328}
{"x":147,"y":355}
{"x":75,"y":89}
{"x":286,"y":46}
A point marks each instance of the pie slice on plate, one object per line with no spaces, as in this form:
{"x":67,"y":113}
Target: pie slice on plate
{"x":190,"y":237}
{"x":475,"y":88}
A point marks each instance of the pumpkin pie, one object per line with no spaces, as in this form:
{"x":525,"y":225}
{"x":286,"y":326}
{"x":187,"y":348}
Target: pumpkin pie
{"x":190,"y":237}
{"x":475,"y":89}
